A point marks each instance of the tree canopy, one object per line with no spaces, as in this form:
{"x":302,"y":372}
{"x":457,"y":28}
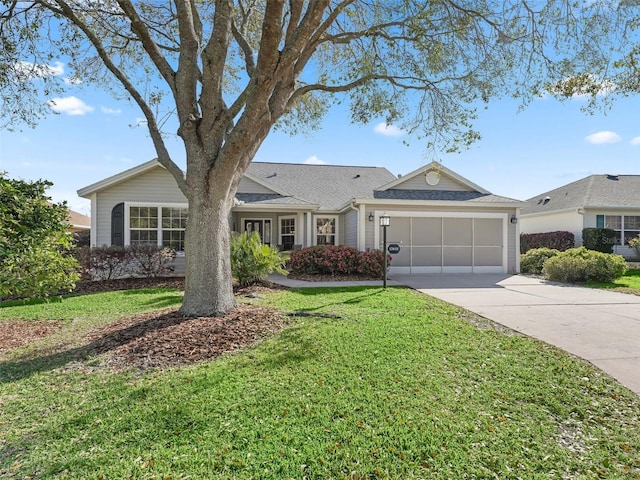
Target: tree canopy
{"x":230,"y":71}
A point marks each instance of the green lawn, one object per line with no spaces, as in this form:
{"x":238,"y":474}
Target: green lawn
{"x":629,"y":283}
{"x":400,"y":387}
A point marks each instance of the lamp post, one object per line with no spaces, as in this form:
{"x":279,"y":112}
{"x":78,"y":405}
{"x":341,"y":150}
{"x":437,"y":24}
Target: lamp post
{"x":384,"y":223}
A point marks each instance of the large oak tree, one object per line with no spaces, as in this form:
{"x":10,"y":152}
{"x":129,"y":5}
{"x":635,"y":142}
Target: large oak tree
{"x":229,"y":71}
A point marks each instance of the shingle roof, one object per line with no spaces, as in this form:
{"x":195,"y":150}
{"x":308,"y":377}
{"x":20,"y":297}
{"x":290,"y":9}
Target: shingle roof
{"x":329,"y":186}
{"x":270,"y":199}
{"x":594,"y":191}
{"x":442,"y":195}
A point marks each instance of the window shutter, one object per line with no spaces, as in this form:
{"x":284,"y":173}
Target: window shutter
{"x":600,"y":221}
{"x":117,"y":225}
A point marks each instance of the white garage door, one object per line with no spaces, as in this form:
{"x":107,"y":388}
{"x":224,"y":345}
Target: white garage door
{"x":447,"y":245}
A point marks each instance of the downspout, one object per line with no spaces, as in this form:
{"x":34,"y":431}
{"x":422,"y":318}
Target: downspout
{"x":359,"y":233}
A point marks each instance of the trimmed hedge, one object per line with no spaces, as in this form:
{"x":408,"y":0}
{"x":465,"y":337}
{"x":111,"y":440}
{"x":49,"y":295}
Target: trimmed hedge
{"x":110,"y":262}
{"x":533,"y":260}
{"x":337,"y":260}
{"x":559,"y":240}
{"x":581,"y":264}
{"x":599,"y":239}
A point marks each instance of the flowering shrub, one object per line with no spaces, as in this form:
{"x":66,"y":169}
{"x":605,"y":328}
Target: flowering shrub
{"x":337,"y":260}
{"x":560,"y":241}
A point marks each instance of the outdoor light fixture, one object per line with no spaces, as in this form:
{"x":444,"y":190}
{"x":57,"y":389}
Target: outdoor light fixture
{"x":514,"y":219}
{"x":371,"y":217}
{"x":385,"y":220}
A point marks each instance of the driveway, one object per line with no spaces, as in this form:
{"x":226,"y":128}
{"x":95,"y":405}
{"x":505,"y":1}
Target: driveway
{"x":600,"y":326}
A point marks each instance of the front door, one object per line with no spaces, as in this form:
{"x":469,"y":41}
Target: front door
{"x":263,"y":227}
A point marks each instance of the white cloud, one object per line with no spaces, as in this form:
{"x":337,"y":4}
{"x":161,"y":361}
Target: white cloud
{"x":387,"y":130}
{"x":72,"y":80}
{"x":314,"y":160}
{"x":27,"y":70}
{"x":635,"y":141}
{"x":70,"y":106}
{"x":605,"y":136}
{"x":111,"y":111}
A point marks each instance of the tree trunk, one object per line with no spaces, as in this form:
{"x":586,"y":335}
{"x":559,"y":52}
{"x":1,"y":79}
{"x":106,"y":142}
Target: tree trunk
{"x":208,"y":288}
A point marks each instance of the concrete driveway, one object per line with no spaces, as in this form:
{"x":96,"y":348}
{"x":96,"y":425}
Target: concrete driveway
{"x":599,"y":326}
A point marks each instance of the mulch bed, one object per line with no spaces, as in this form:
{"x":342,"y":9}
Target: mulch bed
{"x":163,"y":338}
{"x":16,"y":333}
{"x":167,"y":338}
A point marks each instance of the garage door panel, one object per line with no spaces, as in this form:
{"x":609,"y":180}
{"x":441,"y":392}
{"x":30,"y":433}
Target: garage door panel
{"x":427,"y":256}
{"x":426,"y":231}
{"x":457,"y":256}
{"x":487,"y":232}
{"x":457,"y":231}
{"x":487,"y":256}
{"x":402,"y":259}
{"x":399,"y":231}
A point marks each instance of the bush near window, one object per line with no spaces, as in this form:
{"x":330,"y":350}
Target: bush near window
{"x":337,"y":260}
{"x":110,"y":262}
{"x":635,"y":244}
{"x":251,"y":260}
{"x":559,"y":240}
{"x":581,"y":264}
{"x":599,"y":239}
{"x":533,"y":260}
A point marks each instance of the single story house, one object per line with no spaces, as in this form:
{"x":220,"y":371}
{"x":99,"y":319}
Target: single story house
{"x":441,"y":221}
{"x":78,"y":222}
{"x":611,"y":201}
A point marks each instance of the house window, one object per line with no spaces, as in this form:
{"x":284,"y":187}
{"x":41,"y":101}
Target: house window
{"x":325,"y":230}
{"x":143,"y":224}
{"x":156,"y":225}
{"x":631,"y":227}
{"x":287,"y":232}
{"x":174,"y":222}
{"x":614,"y":222}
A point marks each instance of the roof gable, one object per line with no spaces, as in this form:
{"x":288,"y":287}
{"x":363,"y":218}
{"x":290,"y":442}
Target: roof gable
{"x":119,"y":177}
{"x":433,"y":177}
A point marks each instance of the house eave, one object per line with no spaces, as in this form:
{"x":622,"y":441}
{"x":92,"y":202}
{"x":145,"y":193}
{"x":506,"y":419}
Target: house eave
{"x":553,"y":212}
{"x":435,"y":203}
{"x":274,"y":207}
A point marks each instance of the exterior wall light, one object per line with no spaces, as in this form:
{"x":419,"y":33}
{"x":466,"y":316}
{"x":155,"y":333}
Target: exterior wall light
{"x":371,"y":217}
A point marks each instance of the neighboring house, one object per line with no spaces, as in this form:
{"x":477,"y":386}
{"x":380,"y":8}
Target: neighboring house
{"x":611,"y":201}
{"x":442,"y":222}
{"x":78,"y":222}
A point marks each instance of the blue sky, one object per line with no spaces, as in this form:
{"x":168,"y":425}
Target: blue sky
{"x":548,"y":144}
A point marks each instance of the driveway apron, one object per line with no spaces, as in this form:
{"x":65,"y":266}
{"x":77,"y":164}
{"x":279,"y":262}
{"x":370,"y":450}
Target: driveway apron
{"x":600,"y":326}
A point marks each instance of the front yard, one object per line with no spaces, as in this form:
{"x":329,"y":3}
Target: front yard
{"x":628,"y":283}
{"x":361,"y":383}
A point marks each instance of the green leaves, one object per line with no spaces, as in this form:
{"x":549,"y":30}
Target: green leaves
{"x":251,"y":260}
{"x":34,"y":243}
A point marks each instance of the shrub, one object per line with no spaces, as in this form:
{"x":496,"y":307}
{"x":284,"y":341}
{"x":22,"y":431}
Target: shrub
{"x":337,"y":260}
{"x":635,"y":244}
{"x":581,"y":264}
{"x":151,"y":260}
{"x":109,"y":262}
{"x":251,"y":260}
{"x":560,"y":241}
{"x":599,"y":239}
{"x":533,"y":260}
{"x":34,"y":243}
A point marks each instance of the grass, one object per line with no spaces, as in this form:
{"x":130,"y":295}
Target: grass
{"x":400,"y":386}
{"x":629,"y":283}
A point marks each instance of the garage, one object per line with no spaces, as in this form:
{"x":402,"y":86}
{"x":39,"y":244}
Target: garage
{"x":453,"y":243}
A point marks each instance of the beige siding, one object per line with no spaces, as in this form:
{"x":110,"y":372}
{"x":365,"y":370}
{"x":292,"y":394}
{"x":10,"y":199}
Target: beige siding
{"x":156,"y":186}
{"x":249,"y":186}
{"x":562,"y":221}
{"x":445,"y":183}
{"x":351,"y":229}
